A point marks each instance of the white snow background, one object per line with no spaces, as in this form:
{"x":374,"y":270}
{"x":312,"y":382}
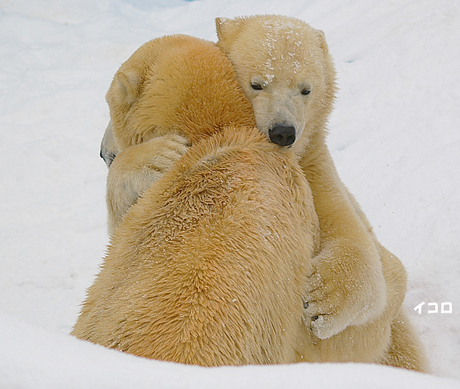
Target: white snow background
{"x":394,"y":135}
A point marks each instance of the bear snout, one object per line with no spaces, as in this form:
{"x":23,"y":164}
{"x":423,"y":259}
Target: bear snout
{"x":107,"y":156}
{"x":282,"y":135}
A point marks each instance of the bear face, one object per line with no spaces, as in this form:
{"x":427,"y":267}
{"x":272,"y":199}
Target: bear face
{"x":284,"y":68}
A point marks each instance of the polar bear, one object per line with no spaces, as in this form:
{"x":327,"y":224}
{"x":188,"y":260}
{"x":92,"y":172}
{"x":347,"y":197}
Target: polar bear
{"x":210,"y":264}
{"x":356,"y":287}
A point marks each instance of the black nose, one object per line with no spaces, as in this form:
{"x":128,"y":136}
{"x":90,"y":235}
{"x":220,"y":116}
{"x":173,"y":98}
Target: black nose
{"x":282,"y":135}
{"x":107,"y":157}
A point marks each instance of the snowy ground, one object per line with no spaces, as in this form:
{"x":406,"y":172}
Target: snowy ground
{"x":395,"y":137}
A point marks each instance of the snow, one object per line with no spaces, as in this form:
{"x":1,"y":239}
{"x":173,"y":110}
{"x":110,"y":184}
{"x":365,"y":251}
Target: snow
{"x":394,"y":135}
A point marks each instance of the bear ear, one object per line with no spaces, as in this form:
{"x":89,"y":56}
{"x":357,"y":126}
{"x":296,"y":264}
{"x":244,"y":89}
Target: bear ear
{"x":227,"y":31}
{"x":322,"y":41}
{"x":124,"y":88}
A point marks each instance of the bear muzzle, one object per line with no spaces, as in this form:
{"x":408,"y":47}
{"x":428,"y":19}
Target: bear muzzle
{"x":107,"y":156}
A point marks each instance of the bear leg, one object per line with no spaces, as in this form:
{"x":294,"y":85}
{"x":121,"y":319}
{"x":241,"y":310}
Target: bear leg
{"x":405,"y":349}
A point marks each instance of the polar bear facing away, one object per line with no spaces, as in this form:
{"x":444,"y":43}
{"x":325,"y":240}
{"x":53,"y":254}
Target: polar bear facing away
{"x":209,"y":266}
{"x":356,"y":287}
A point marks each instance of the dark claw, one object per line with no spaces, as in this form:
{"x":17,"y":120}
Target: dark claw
{"x":314,"y":318}
{"x":305,"y":304}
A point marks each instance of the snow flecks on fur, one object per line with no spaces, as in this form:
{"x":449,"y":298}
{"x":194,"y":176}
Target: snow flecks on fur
{"x":293,"y":39}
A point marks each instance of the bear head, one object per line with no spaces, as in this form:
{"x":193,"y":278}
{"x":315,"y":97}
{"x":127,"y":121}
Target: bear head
{"x":173,"y":84}
{"x":284,"y":68}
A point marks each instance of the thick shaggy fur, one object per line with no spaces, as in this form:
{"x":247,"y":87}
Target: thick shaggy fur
{"x":209,"y":266}
{"x":356,"y":287}
{"x":172,"y":91}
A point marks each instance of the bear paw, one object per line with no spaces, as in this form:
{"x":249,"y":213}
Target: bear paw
{"x":136,"y":168}
{"x":342,"y":292}
{"x":323,"y":311}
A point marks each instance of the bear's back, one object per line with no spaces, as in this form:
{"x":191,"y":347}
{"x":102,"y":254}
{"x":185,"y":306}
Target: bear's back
{"x":209,"y":267}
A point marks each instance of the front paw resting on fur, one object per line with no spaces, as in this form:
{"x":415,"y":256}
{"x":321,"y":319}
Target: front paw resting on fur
{"x":346,"y":287}
{"x":136,"y":168}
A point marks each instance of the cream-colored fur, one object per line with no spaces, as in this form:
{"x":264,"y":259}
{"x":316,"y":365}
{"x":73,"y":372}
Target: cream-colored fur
{"x":136,"y":169}
{"x":210,"y":264}
{"x":356,"y":287}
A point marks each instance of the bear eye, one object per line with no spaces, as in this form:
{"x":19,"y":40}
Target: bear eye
{"x":256,"y":86}
{"x":305,"y":91}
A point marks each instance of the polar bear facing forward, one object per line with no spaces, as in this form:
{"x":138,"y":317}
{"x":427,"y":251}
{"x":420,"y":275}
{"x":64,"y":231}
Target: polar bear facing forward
{"x":356,"y":287}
